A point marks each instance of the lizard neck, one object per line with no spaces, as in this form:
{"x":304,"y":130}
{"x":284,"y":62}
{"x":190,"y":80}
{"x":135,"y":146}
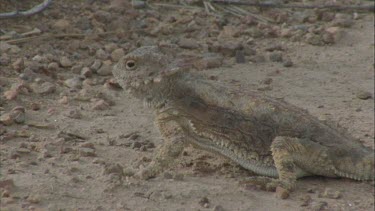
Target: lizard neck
{"x":171,"y":88}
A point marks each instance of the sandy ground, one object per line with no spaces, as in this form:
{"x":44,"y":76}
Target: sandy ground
{"x":74,"y":156}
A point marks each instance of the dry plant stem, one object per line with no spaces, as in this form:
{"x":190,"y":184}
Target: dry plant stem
{"x":38,"y":8}
{"x":369,"y":8}
{"x":44,"y":36}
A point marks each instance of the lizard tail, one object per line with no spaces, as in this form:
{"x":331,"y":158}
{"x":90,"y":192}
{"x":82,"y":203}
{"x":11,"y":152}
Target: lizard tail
{"x":355,"y":164}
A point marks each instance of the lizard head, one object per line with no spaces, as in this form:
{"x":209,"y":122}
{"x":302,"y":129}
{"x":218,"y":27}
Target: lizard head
{"x":143,"y":68}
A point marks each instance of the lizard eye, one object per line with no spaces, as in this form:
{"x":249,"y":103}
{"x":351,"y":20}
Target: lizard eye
{"x":130,"y":65}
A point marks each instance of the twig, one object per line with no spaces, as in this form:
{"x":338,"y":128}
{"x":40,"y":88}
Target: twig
{"x":44,"y":36}
{"x":38,"y":8}
{"x":370,"y":7}
{"x":174,"y":6}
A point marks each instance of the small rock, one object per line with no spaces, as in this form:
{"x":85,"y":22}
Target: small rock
{"x":336,"y":33}
{"x":117,"y":54}
{"x":305,"y":200}
{"x":64,"y":100}
{"x":328,"y":193}
{"x":178,"y":177}
{"x":113,"y":169}
{"x":240,"y":57}
{"x":105,"y":70}
{"x":65,"y":62}
{"x":318,"y":206}
{"x":18,"y":65}
{"x":86,"y":72}
{"x":34,"y":198}
{"x":5,"y":194}
{"x":281,"y":193}
{"x":204,"y":202}
{"x":167,"y":175}
{"x":342,"y":20}
{"x":314,"y":39}
{"x":188,"y":43}
{"x":4,"y":59}
{"x":257,"y":59}
{"x":363,"y":95}
{"x":274,"y":47}
{"x":73,"y":113}
{"x":35,"y":106}
{"x":218,"y":208}
{"x":53,"y":66}
{"x":96,"y":65}
{"x":101,"y":105}
{"x":44,"y":88}
{"x":288,"y":63}
{"x":61,"y":24}
{"x":209,"y":60}
{"x":74,"y":83}
{"x":276,"y":57}
{"x":138,"y":4}
{"x":76,"y":68}
{"x":101,"y":54}
{"x":7,"y":184}
{"x":87,"y":152}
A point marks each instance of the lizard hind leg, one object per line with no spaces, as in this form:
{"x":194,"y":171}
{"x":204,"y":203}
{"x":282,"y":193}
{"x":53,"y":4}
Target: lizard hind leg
{"x":294,"y":158}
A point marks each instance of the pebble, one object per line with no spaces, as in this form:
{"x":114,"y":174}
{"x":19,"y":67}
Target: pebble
{"x":87,"y":152}
{"x":314,"y":39}
{"x":96,"y":65}
{"x":73,"y":113}
{"x":209,"y":60}
{"x":281,"y":193}
{"x":33,"y":198}
{"x":7,"y":184}
{"x":117,"y":54}
{"x":18,"y":65}
{"x":257,"y":58}
{"x":138,"y":4}
{"x":218,"y":208}
{"x":363,"y":95}
{"x":44,"y":88}
{"x":204,"y":202}
{"x":61,"y":24}
{"x":74,"y":83}
{"x":105,"y":70}
{"x":287,"y":63}
{"x":167,"y":175}
{"x":53,"y":66}
{"x":318,"y":206}
{"x":86,"y":72}
{"x":188,"y":43}
{"x":101,"y":54}
{"x":330,"y":194}
{"x":64,"y":100}
{"x":4,"y":59}
{"x":100,"y":105}
{"x":240,"y":57}
{"x":76,"y":68}
{"x":113,"y":169}
{"x":65,"y":62}
{"x":306,"y":199}
{"x":276,"y":56}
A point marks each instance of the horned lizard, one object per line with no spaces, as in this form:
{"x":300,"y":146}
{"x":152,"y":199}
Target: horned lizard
{"x":270,"y":137}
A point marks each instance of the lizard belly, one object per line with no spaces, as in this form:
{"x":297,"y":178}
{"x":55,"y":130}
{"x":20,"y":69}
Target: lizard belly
{"x":249,"y":164}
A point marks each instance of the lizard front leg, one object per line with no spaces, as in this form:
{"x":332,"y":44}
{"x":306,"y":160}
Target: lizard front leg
{"x":174,"y":143}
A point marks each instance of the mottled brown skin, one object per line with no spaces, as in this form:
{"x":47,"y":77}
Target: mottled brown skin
{"x":272,"y":138}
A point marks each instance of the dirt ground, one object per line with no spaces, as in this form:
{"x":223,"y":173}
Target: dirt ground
{"x":70,"y":138}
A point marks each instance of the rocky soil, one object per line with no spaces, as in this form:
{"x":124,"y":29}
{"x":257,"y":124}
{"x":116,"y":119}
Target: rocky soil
{"x":70,"y":138}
